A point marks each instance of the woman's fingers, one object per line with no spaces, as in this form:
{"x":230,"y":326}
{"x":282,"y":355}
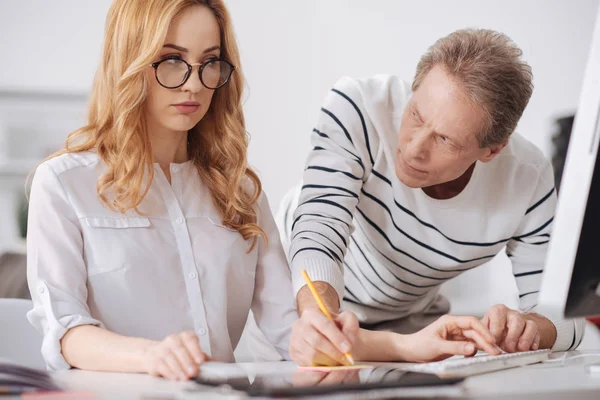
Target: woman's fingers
{"x":455,"y":348}
{"x":192,"y":344}
{"x":481,"y":342}
{"x":462,"y":323}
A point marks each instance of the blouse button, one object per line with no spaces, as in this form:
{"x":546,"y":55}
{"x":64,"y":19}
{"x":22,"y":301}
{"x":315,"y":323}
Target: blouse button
{"x":202,"y":331}
{"x":179,"y":220}
{"x":192,"y":275}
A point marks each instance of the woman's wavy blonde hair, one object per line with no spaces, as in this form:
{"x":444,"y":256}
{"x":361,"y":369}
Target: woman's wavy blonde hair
{"x":134,"y":35}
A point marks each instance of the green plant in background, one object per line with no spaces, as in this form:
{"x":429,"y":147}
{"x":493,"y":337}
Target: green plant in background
{"x":22,"y":213}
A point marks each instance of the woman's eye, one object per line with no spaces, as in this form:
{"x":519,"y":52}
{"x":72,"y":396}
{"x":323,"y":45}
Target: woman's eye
{"x":171,"y":58}
{"x":210,"y":60}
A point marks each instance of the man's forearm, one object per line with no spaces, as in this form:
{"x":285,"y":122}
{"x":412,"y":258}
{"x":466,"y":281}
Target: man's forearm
{"x":328,"y":294}
{"x":546,"y":327}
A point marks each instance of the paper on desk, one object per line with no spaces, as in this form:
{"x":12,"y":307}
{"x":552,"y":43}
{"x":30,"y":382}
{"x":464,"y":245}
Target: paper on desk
{"x":336,"y":368}
{"x":214,"y":369}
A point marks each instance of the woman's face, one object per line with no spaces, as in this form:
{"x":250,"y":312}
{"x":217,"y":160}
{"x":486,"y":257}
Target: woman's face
{"x":194,"y":37}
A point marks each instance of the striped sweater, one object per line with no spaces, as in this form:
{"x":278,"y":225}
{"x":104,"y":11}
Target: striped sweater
{"x":387,"y":248}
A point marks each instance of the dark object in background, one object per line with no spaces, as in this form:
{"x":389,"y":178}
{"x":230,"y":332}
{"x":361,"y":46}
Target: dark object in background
{"x":560,"y":140}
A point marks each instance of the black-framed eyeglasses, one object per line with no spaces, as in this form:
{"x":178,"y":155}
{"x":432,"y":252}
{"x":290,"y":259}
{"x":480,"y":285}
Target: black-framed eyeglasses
{"x":172,"y":73}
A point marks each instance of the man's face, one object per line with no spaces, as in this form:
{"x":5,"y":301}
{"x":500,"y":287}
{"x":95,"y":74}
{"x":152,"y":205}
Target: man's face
{"x":438,"y":138}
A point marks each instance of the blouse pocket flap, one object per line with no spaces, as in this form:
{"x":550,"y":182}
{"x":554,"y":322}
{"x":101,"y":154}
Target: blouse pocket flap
{"x":118,"y":223}
{"x":216,"y":222}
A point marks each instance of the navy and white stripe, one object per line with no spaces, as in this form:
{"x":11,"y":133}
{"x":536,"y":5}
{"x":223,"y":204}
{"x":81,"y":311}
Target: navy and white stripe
{"x":386,"y":248}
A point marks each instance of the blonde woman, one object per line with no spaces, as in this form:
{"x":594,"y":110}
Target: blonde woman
{"x":149,"y":237}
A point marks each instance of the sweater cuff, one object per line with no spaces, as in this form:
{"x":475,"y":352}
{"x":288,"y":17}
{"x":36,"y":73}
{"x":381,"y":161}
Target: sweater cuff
{"x":566,"y":335}
{"x":318,"y":269}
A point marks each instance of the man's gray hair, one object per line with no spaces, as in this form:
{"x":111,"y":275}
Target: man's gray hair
{"x":487,"y":66}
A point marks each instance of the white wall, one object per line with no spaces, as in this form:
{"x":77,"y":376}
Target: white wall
{"x":312,"y":43}
{"x":293,"y":51}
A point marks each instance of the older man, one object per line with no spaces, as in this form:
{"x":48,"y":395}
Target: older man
{"x":407,"y":187}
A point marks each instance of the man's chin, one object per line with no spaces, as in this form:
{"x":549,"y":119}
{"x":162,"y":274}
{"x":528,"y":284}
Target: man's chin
{"x":410,"y":182}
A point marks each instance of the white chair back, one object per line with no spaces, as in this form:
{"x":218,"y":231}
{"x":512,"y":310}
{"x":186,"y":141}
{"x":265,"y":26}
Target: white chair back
{"x":20,"y":342}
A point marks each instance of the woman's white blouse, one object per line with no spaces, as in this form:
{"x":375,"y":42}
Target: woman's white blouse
{"x":173,"y":268}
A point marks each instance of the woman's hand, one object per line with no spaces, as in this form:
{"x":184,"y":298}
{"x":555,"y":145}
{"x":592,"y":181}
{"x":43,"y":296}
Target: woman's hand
{"x":177,"y":357}
{"x":446,"y":337}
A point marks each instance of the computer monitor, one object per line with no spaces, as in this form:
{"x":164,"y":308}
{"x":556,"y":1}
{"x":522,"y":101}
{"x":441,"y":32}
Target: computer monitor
{"x":571,"y":278}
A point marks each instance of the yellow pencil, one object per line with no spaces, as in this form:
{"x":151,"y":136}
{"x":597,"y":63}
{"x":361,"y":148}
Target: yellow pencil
{"x":324,"y":310}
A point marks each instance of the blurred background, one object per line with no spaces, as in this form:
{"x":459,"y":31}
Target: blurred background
{"x":292,"y":53}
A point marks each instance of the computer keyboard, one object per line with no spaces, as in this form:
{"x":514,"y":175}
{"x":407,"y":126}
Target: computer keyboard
{"x":457,"y":367}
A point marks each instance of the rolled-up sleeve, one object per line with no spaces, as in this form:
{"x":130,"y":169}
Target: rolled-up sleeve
{"x":273,"y":303}
{"x":56,"y":271}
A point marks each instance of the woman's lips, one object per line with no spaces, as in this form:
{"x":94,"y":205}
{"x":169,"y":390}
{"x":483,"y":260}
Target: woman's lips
{"x":187,"y":107}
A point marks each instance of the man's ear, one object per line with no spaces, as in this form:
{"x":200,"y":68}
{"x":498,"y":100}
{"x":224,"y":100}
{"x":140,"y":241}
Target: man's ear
{"x":492,"y":151}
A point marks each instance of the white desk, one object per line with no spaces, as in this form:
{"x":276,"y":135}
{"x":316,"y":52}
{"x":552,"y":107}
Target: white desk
{"x":539,"y":381}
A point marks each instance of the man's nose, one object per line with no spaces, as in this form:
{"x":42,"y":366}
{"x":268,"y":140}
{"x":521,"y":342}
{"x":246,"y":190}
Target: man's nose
{"x":416,"y":147}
